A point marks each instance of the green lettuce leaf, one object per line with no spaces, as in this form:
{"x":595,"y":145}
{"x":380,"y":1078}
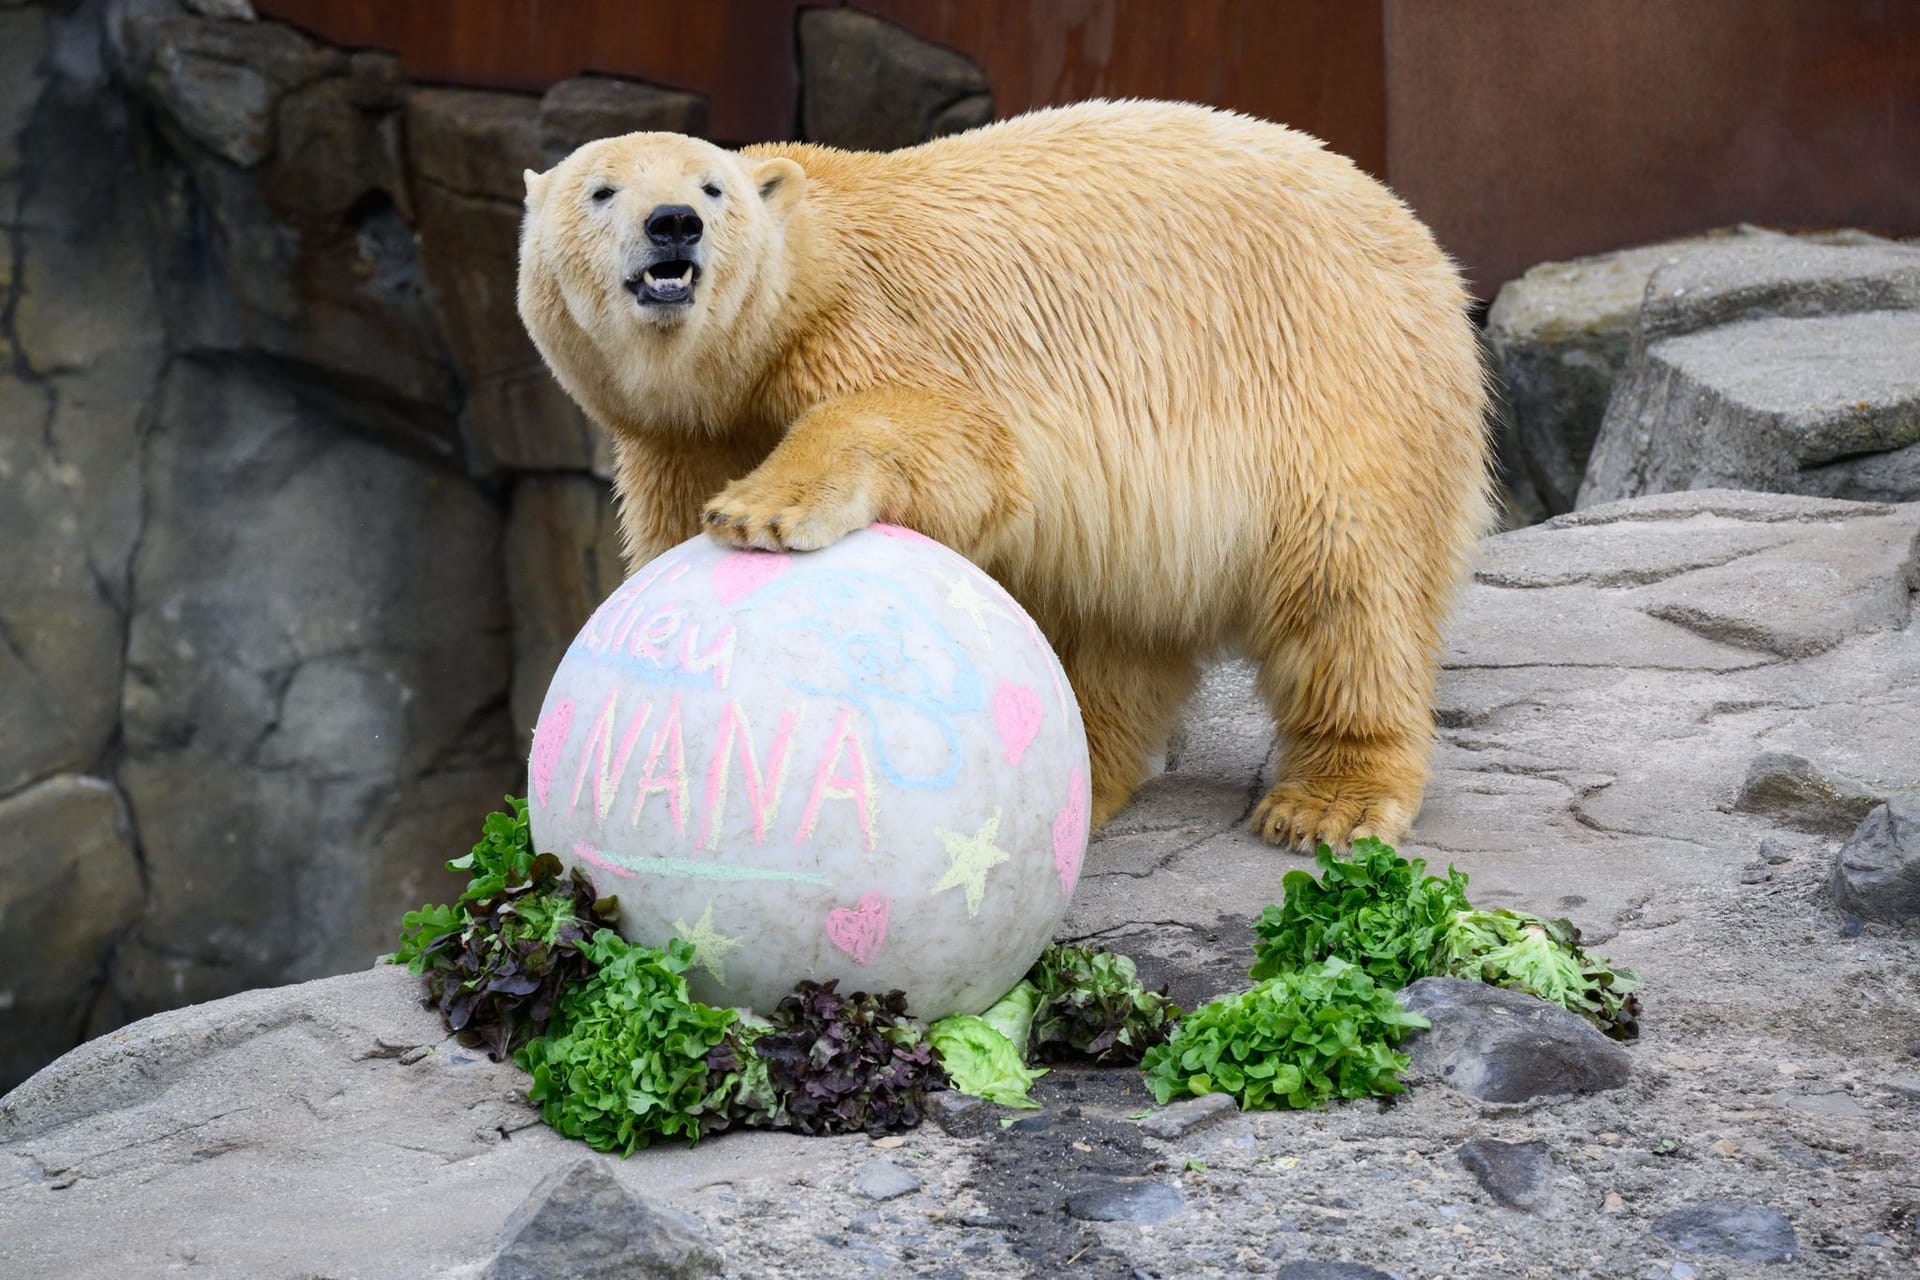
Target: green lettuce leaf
{"x":1323,"y":1031}
{"x":1531,"y":953}
{"x":624,"y":1059}
{"x":1372,"y":908}
{"x":979,"y":1059}
{"x":1092,"y":1004}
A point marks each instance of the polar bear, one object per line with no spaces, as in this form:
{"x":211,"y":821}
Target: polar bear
{"x":1183,"y":381}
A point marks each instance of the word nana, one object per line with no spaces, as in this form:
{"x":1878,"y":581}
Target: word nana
{"x":694,"y":789}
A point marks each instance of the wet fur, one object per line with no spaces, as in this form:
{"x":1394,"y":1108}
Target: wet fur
{"x":1185,"y":382}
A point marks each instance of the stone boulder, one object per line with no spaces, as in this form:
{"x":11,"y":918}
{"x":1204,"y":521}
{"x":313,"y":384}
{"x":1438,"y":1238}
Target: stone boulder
{"x":282,"y":213}
{"x":314,"y":711}
{"x":1559,"y":337}
{"x":867,"y":85}
{"x":70,"y":888}
{"x":1569,"y":339}
{"x":563,"y":558}
{"x":80,"y":348}
{"x":1876,"y":873}
{"x":1771,"y":363}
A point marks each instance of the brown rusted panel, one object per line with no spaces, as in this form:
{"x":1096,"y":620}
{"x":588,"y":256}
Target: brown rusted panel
{"x":1524,"y":131}
{"x":740,"y":53}
{"x":1314,"y":64}
{"x":1317,"y":65}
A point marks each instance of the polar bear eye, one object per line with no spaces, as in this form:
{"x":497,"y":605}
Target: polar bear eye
{"x":602,"y":194}
{"x":712,"y":189}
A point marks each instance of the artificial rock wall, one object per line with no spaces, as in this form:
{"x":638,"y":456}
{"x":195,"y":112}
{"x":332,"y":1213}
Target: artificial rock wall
{"x":294,"y":523}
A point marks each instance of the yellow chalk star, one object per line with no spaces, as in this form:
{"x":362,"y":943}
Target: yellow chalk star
{"x":709,"y":948}
{"x":972,"y":857}
{"x":963,"y":596}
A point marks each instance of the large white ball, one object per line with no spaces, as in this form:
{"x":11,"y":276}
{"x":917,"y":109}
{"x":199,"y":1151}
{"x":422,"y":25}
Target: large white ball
{"x":861,"y":763}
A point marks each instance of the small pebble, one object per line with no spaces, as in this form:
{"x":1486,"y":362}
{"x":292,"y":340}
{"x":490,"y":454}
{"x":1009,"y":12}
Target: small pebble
{"x":882,"y":1179}
{"x":1682,"y":1271}
{"x":1771,"y":855}
{"x":1614,"y":1204}
{"x":1182,"y":1118}
{"x":1724,"y":1147}
{"x":415,"y":1054}
{"x":1755,"y":873}
{"x":892,"y":1142}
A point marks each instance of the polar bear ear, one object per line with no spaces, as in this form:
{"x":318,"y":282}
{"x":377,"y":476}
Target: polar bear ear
{"x":780,"y":182}
{"x":536,"y":183}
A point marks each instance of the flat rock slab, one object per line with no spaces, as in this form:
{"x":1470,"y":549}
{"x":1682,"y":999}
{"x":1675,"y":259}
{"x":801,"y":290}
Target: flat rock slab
{"x":1182,"y":1118}
{"x":1742,"y":1229}
{"x":1610,"y":680}
{"x":1515,"y":1174}
{"x":1507,"y":1046}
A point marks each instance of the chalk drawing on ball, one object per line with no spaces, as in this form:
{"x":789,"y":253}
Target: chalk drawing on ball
{"x":860,"y":929}
{"x":963,"y":596}
{"x":744,"y":572}
{"x":710,"y":947}
{"x":855,"y":784}
{"x":1016,"y":714}
{"x":881,"y":665}
{"x":548,"y":737}
{"x":969,"y":860}
{"x":1070,"y":834}
{"x":687,"y":869}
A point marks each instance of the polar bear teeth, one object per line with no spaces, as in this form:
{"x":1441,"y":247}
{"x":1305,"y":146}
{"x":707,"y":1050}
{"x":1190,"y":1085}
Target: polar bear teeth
{"x":684,"y":279}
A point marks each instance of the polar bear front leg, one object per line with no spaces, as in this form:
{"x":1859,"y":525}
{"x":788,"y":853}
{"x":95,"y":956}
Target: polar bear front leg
{"x":941,"y":463}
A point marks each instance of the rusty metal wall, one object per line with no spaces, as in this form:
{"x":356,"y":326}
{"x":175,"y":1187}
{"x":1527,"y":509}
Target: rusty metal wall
{"x":1524,"y":131}
{"x":1521,"y":130}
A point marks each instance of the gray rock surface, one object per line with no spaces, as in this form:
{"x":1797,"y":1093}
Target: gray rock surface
{"x":1741,"y":1229}
{"x":80,"y":347}
{"x":1876,"y":873}
{"x":280,"y":685}
{"x":70,"y":888}
{"x":1590,"y":756}
{"x":1828,"y":405}
{"x":1507,"y":1046}
{"x":867,"y":85}
{"x":1559,"y":337}
{"x":1515,"y":1174}
{"x":581,"y":1222}
{"x":1307,"y":1270}
{"x":1750,"y":399}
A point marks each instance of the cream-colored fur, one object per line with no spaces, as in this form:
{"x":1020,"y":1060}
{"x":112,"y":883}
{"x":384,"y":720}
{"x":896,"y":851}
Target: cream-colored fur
{"x":1183,"y":381}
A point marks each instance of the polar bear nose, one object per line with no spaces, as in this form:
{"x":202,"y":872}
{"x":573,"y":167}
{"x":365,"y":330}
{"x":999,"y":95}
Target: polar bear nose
{"x":673,"y":224}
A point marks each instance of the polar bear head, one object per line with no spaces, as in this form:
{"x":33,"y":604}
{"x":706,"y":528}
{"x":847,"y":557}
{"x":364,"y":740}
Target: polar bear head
{"x":652,"y":247}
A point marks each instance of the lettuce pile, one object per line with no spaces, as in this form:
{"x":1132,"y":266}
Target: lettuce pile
{"x":1381,"y":912}
{"x":624,"y":1060}
{"x":498,"y":959}
{"x":1322,"y":1031}
{"x":525,"y":963}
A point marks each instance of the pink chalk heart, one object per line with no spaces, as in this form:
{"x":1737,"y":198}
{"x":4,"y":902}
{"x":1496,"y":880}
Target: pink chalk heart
{"x":902,"y":532}
{"x":548,"y":737}
{"x":1016,"y":714}
{"x":1070,"y":834}
{"x":859,"y":930}
{"x":745,"y":572}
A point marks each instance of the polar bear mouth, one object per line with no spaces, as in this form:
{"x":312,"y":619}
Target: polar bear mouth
{"x":666,"y":284}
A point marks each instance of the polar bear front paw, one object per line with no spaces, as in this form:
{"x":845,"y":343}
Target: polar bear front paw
{"x":771,"y":513}
{"x":1303,"y":815}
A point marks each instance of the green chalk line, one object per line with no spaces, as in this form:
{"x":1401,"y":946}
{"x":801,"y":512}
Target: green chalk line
{"x":687,"y":870}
